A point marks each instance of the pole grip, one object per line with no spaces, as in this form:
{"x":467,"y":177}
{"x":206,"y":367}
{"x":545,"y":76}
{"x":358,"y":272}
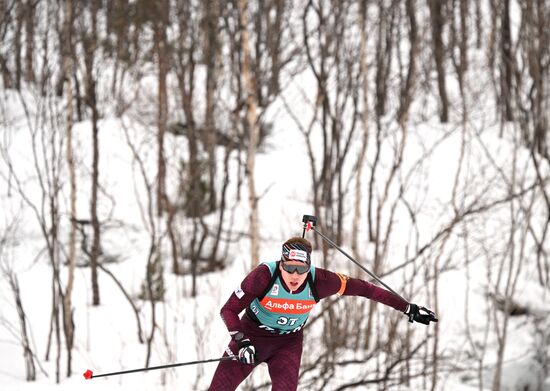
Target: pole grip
{"x":309,"y":222}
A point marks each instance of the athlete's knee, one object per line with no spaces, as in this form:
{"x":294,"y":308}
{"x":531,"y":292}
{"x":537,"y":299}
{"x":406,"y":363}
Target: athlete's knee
{"x":284,"y":382}
{"x":228,"y":375}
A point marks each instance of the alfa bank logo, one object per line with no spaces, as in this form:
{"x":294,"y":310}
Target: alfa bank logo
{"x":288,"y":306}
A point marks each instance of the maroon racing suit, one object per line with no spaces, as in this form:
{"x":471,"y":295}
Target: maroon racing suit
{"x":281,"y":352}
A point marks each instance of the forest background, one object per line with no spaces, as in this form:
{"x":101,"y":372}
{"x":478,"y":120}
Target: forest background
{"x":153,"y":152}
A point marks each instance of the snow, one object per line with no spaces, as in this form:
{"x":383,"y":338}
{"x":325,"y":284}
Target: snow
{"x":106,"y":337}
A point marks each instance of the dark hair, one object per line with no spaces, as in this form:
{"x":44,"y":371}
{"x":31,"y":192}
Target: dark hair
{"x":299,"y":240}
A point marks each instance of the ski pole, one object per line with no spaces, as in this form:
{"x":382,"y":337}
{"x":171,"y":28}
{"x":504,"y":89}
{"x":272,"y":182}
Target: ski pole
{"x":90,"y":375}
{"x":309,"y":224}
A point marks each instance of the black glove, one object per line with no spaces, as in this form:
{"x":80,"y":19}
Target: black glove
{"x":420,"y":314}
{"x":247,"y":351}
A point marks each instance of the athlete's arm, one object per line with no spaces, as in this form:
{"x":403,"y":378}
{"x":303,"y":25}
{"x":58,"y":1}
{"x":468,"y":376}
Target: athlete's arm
{"x":251,"y":287}
{"x":328,"y":283}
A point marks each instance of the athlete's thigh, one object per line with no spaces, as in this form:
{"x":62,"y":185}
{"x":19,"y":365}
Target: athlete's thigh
{"x":284,"y":367}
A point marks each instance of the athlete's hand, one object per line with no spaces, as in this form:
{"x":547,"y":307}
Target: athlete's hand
{"x":247,"y":352}
{"x":420,"y":314}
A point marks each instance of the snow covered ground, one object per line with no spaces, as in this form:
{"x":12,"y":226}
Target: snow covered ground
{"x":191,"y":329}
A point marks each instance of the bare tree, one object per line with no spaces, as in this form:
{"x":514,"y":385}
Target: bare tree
{"x":253,"y":130}
{"x":331,"y":59}
{"x":438,"y":19}
{"x":459,"y":39}
{"x":30,"y":366}
{"x":506,"y":62}
{"x":160,"y":24}
{"x":6,"y":239}
{"x":363,"y":7}
{"x":46,"y":145}
{"x":30,"y":21}
{"x":68,"y":321}
{"x":531,"y":80}
{"x":6,"y":12}
{"x":211,"y":55}
{"x":511,"y":264}
{"x":192,"y":197}
{"x":530,"y":85}
{"x":18,"y":44}
{"x":408,"y":89}
{"x":89,"y":40}
{"x":381,"y":206}
{"x":153,"y":287}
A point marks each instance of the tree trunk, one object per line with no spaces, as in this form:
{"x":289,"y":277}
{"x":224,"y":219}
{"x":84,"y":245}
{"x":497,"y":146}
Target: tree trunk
{"x":408,"y":89}
{"x":464,"y":7}
{"x":57,"y":294}
{"x":18,"y":44}
{"x":383,"y":58}
{"x":479,"y":23}
{"x":537,"y":19}
{"x":209,"y":134}
{"x":161,"y":47}
{"x":512,"y":261}
{"x":68,"y":322}
{"x":506,"y":63}
{"x":253,"y":132}
{"x":90,"y":43}
{"x":30,"y":367}
{"x":274,"y":39}
{"x":6,"y":74}
{"x":93,"y":206}
{"x":438,"y":22}
{"x":29,"y":40}
{"x":5,"y":21}
{"x":364,"y":126}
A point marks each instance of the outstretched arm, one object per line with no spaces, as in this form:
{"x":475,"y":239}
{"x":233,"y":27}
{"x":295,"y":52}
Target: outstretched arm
{"x":328,"y":283}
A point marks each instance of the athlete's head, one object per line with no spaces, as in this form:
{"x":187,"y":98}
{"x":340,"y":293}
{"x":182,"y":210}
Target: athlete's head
{"x":298,"y":249}
{"x":295,"y":261}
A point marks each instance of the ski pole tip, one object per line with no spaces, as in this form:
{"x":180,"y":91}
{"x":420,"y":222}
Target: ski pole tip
{"x":88,"y":374}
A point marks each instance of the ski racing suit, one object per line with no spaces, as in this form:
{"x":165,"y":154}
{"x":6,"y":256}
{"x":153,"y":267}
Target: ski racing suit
{"x":274,"y":319}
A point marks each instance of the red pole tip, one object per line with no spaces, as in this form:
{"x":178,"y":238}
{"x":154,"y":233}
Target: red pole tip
{"x":308,"y":226}
{"x":88,"y":374}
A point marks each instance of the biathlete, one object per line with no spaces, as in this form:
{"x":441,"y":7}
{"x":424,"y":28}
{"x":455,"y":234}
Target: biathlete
{"x":277,"y":298}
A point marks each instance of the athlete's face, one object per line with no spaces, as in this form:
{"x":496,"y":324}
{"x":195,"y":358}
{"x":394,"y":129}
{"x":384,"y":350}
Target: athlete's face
{"x":293,"y":280}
